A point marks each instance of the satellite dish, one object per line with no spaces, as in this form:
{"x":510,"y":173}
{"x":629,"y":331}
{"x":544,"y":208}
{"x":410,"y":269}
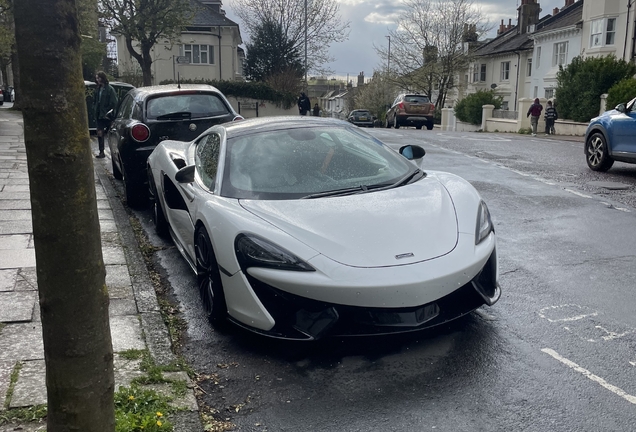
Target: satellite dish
{"x":493,"y":86}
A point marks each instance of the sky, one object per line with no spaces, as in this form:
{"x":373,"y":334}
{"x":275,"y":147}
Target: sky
{"x":371,"y":20}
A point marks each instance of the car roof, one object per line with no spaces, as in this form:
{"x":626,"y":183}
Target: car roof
{"x":266,"y":124}
{"x":141,"y":93}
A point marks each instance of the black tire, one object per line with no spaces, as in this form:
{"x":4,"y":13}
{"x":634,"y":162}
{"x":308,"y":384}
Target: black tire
{"x":597,"y":154}
{"x":209,"y":278}
{"x":386,"y":122}
{"x":396,"y":125}
{"x":158,"y":216}
{"x":136,"y":195}
{"x":418,"y":127}
{"x":430,"y":126}
{"x":116,"y":171}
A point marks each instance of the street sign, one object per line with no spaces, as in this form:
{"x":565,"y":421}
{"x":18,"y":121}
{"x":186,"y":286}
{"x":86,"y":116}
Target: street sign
{"x":183,"y":59}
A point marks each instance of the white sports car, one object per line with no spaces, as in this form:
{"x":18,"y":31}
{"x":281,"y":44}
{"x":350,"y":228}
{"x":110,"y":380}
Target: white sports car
{"x":305,"y":227}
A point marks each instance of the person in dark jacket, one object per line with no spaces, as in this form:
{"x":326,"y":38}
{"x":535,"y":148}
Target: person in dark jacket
{"x":304,"y":104}
{"x":105,"y":99}
{"x":534,"y":112}
{"x":550,"y":117}
{"x":316,"y":110}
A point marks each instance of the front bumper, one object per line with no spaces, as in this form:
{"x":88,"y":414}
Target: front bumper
{"x":298,"y":317}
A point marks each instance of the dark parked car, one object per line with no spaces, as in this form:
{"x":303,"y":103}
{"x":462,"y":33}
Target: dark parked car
{"x":361,"y":117}
{"x":610,"y":137}
{"x":410,"y":110}
{"x":121,"y":89}
{"x":148,"y":115}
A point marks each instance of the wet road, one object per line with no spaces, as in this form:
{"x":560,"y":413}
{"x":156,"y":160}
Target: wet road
{"x":556,"y":353}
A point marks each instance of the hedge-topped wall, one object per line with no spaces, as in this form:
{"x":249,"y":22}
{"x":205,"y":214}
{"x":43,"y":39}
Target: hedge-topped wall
{"x":253,"y":90}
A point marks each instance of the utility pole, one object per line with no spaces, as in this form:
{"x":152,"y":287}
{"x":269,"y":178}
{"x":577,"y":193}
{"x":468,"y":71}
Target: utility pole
{"x":305,"y":85}
{"x":388,"y":60}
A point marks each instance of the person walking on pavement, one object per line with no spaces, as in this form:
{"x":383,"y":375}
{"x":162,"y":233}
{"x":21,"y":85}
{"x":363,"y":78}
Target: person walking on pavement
{"x":316,"y":110}
{"x":534,"y":112}
{"x":105,"y":99}
{"x":550,"y":117}
{"x":304,"y":104}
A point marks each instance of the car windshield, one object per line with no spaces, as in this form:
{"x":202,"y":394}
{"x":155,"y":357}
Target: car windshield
{"x":180,"y":105}
{"x":416,"y":99}
{"x":304,"y":162}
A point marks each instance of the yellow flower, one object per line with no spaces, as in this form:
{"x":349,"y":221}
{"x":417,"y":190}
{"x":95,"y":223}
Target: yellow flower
{"x":159,"y":414}
{"x":131,"y":397}
{"x":158,"y":423}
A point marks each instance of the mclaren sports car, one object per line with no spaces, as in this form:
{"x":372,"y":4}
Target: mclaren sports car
{"x":303,"y":228}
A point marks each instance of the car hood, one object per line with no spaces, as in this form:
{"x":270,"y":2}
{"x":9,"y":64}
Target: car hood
{"x":399,"y":226}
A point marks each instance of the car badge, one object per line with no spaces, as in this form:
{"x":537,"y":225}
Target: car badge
{"x":404,"y":255}
{"x":193,"y":127}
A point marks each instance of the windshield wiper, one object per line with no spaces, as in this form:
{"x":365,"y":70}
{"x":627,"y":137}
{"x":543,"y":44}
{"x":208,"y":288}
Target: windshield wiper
{"x":404,"y":180}
{"x":175,"y":115}
{"x":336,"y":192}
{"x":364,"y":188}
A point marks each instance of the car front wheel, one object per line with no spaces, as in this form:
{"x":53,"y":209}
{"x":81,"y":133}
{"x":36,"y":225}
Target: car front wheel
{"x":209,"y":278}
{"x":158,"y":217}
{"x":597,"y":154}
{"x":396,"y":125}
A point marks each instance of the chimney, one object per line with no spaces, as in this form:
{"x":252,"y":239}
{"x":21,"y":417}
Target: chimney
{"x":502,"y":28}
{"x":215,"y":5}
{"x":555,"y":11}
{"x":360,"y":79}
{"x":509,"y":24}
{"x":528,"y":15}
{"x":569,"y":3}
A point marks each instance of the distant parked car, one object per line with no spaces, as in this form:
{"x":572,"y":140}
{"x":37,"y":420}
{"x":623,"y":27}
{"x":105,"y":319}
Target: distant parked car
{"x":148,"y":115}
{"x":121,"y":89}
{"x":361,"y":117}
{"x":7,"y":94}
{"x":411,"y":110}
{"x":610,"y":137}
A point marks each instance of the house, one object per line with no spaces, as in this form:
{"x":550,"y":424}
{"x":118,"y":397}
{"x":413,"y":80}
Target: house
{"x":608,"y":28}
{"x":557,"y":40}
{"x":208,"y":48}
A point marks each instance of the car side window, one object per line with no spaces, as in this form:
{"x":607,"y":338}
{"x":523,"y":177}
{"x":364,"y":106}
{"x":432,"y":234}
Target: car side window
{"x":125,"y":108}
{"x":136,"y":112}
{"x":206,"y":158}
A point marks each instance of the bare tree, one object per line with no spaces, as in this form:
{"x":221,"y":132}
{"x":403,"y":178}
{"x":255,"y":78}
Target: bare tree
{"x":432,"y":45}
{"x":324,"y":25}
{"x":70,"y":268}
{"x":142,"y":23}
{"x":376,"y":95}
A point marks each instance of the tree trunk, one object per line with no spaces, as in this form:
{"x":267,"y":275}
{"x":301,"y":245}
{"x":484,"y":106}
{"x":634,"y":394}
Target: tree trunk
{"x":146,"y":65}
{"x":70,"y":268}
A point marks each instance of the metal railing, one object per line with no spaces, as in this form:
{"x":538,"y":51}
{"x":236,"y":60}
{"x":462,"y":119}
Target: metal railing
{"x":505,"y":114}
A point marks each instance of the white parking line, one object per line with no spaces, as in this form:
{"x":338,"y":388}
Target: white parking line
{"x":629,"y":398}
{"x":577,"y":193}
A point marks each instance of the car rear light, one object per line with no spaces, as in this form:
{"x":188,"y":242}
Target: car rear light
{"x":400,"y":106}
{"x":432,"y":107}
{"x":237,"y":118}
{"x":140,"y":132}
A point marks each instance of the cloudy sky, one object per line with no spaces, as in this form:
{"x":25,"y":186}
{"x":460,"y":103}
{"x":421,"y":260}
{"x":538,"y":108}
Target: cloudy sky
{"x":371,"y":19}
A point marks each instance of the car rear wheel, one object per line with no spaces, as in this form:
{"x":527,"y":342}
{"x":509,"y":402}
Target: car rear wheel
{"x":429,"y":126}
{"x":209,"y":278}
{"x":418,"y":127}
{"x":396,"y":125}
{"x":158,"y":217}
{"x":116,"y":171}
{"x":386,"y":122}
{"x":136,"y":196}
{"x":597,"y":154}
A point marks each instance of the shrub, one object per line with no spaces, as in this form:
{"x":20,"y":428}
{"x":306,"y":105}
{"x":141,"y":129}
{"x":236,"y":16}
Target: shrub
{"x":525,"y":131}
{"x":469,"y":109}
{"x":583,"y":81}
{"x":621,"y":92}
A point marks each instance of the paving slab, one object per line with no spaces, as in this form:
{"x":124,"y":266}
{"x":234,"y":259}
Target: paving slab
{"x":6,"y":369}
{"x":15,"y":188}
{"x":112,"y":256}
{"x":122,"y":307}
{"x":105,"y":226}
{"x":15,"y":241}
{"x":17,"y":306}
{"x":126,"y":333}
{"x":16,"y":227}
{"x":8,"y":279}
{"x":15,"y":195}
{"x":15,"y":204}
{"x":105,"y":214}
{"x":118,"y":282}
{"x":125,"y":371}
{"x":30,"y":388}
{"x":21,"y":341}
{"x":17,"y":258}
{"x":186,"y":402}
{"x":15,"y":215}
{"x":27,"y":279}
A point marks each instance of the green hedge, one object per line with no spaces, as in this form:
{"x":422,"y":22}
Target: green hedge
{"x":470,"y":110}
{"x":248,"y":89}
{"x":622,"y":92}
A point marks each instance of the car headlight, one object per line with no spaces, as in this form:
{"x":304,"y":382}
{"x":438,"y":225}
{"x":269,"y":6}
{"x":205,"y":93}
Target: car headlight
{"x":484,"y":223}
{"x":253,"y":251}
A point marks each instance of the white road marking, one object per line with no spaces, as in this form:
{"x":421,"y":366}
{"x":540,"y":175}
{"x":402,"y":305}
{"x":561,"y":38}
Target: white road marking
{"x":613,"y":335}
{"x":542,"y":313}
{"x":578,"y":193}
{"x":633,"y":363}
{"x":629,"y":398}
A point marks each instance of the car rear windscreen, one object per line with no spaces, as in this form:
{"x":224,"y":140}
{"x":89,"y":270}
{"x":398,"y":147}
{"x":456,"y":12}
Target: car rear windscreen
{"x":417,"y":99}
{"x":198,"y":105}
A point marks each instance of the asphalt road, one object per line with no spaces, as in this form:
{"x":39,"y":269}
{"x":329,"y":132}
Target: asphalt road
{"x":556,"y":353}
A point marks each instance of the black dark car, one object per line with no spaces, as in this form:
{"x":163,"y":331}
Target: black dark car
{"x":148,"y":115}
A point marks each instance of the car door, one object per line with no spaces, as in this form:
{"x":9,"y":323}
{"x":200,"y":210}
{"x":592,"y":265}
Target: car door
{"x":206,"y":161}
{"x":623,"y":131}
{"x":119,"y":128}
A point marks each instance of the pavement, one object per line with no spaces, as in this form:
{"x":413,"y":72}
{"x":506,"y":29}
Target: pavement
{"x":135,"y":319}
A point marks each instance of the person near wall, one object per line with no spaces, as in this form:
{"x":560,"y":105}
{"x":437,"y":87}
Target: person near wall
{"x":316,"y":110}
{"x":534,"y":112}
{"x":105,"y":100}
{"x":304,"y":105}
{"x":550,"y":117}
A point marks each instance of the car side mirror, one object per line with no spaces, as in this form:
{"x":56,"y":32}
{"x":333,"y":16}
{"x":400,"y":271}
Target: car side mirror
{"x":620,"y":108}
{"x":412,"y":152}
{"x":185,"y":174}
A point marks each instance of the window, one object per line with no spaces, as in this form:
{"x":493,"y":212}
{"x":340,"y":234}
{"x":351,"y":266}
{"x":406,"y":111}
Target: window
{"x":536,"y":91}
{"x":505,"y":71}
{"x":198,"y":54}
{"x":602,"y":26}
{"x":479,"y":72}
{"x":206,"y":158}
{"x":560,"y":54}
{"x":538,"y":57}
{"x":549,"y":93}
{"x":529,"y":67}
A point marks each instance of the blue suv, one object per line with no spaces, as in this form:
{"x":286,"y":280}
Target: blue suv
{"x":611,"y":137}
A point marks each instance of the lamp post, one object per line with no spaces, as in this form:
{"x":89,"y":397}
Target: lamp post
{"x":388,"y":60}
{"x":305,"y":86}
